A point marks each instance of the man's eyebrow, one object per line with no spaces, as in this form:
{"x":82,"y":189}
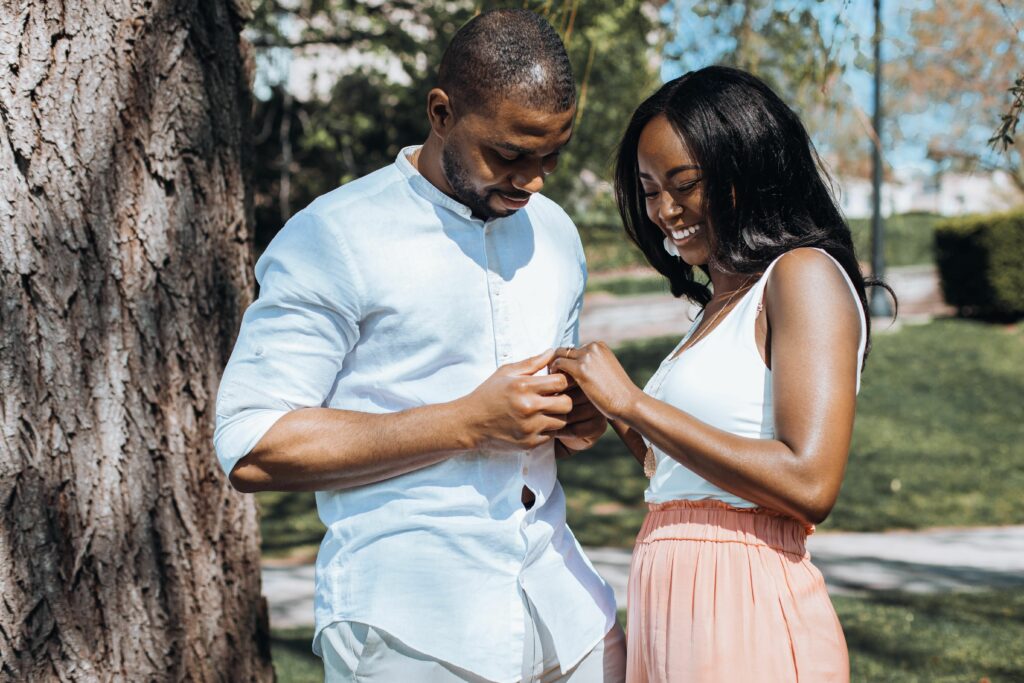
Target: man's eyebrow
{"x":514,"y":148}
{"x":527,"y":151}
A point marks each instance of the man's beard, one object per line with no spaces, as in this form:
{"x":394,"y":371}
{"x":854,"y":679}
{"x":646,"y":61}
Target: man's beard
{"x":458,"y":178}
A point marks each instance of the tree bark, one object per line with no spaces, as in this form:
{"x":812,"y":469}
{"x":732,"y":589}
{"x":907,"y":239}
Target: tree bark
{"x":125,"y":261}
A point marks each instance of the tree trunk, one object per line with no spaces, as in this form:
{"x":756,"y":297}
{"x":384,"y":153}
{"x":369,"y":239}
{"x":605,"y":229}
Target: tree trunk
{"x":125,"y":263}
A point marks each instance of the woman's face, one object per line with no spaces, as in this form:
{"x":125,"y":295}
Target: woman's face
{"x":672,"y":188}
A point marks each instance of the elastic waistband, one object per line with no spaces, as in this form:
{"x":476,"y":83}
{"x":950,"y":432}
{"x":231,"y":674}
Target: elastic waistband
{"x":717,"y":522}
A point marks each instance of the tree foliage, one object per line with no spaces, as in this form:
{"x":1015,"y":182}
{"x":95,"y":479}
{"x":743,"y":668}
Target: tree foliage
{"x":374,"y":63}
{"x":801,"y":48}
{"x":957,"y":68}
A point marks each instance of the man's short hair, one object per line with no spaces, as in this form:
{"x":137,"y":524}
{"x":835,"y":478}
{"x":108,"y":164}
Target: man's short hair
{"x":508,"y":53}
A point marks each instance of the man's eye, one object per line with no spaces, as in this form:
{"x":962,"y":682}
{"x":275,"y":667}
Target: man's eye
{"x":506,"y":157}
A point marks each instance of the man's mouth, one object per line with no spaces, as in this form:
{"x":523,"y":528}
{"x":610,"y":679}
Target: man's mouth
{"x":513,"y":201}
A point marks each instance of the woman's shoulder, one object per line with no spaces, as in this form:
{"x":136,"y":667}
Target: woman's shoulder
{"x":808,"y":276}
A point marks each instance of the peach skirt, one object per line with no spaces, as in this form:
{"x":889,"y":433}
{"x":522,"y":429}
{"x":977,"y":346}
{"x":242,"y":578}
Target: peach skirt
{"x":717,"y":593}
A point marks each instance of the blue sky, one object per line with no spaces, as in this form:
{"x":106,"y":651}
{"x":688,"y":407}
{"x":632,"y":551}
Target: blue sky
{"x":853,"y":34}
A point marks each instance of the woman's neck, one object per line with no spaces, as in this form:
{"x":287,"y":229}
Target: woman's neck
{"x":724,"y":283}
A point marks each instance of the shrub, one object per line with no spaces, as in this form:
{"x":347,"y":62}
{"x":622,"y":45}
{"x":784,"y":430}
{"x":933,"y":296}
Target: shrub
{"x":981,"y":264}
{"x":909,"y":238}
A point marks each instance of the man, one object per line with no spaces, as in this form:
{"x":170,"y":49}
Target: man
{"x":395,"y":362}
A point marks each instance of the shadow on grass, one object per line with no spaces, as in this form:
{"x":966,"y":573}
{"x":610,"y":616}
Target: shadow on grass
{"x":938,"y":637}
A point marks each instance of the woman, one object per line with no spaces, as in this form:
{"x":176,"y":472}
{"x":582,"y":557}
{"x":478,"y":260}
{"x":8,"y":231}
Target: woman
{"x":746,"y":425}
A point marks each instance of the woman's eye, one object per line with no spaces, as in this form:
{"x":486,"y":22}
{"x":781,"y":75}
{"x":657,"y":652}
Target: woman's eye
{"x":686,"y":187}
{"x":650,"y":195}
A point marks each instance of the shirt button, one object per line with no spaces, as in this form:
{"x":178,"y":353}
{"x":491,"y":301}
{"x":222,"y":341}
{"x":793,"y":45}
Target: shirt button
{"x":258,"y":350}
{"x":526,"y":470}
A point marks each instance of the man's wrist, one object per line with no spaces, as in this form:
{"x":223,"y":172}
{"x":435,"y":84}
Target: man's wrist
{"x":465,"y":435}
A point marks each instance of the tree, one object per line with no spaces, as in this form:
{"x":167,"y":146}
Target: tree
{"x":125,"y":262}
{"x":961,"y":55}
{"x":365,"y":114}
{"x":801,"y":48}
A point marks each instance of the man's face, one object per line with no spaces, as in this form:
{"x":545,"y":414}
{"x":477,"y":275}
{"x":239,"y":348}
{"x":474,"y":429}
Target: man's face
{"x":495,"y":159}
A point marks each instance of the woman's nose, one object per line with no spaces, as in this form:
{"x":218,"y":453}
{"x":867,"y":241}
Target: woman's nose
{"x":668,"y":209}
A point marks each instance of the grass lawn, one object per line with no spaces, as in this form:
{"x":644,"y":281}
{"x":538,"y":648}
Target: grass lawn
{"x":939,"y":438}
{"x":939,"y":441}
{"x":892,"y":637}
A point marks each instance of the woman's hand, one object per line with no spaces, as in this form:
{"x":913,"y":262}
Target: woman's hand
{"x":598,"y":372}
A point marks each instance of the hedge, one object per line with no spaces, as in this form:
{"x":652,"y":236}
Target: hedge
{"x":981,"y":264}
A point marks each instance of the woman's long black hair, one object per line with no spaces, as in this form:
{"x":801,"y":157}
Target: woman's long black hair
{"x":765,"y":189}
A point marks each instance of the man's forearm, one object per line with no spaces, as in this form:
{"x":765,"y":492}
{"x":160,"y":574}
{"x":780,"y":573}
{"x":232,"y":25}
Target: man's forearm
{"x":323,"y":448}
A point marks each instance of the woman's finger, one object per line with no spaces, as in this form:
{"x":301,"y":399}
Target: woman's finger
{"x":583,"y":411}
{"x":569,"y":366}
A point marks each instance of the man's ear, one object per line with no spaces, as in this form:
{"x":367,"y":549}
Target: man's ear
{"x":440,"y":112}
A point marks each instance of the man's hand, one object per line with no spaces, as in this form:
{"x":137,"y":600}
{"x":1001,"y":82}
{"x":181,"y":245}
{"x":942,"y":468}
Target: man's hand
{"x":584,"y":424}
{"x":514,"y":408}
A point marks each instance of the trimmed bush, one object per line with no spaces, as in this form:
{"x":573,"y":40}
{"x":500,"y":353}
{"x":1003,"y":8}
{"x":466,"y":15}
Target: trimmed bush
{"x":981,"y":264}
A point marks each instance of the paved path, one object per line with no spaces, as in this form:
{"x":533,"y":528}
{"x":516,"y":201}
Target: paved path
{"x":922,"y":561}
{"x":616,"y":319}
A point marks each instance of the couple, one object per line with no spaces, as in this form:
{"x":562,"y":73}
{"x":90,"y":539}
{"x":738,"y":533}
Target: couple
{"x":411,"y":358}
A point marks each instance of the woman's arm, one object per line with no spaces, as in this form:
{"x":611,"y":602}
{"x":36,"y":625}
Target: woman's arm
{"x":632,"y":439}
{"x":815,"y":333}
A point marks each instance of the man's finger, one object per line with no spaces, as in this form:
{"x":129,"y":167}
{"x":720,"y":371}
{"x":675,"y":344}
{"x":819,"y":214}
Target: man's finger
{"x":531,"y":365}
{"x":551,"y":425}
{"x":547,"y":384}
{"x":555,"y":405}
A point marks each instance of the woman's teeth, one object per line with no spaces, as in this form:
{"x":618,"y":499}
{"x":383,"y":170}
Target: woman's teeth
{"x":685,"y":232}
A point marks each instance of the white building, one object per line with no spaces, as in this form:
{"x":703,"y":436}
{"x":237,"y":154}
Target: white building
{"x":947,"y":194}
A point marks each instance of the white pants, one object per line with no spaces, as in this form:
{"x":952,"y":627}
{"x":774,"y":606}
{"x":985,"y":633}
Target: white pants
{"x":356,"y":652}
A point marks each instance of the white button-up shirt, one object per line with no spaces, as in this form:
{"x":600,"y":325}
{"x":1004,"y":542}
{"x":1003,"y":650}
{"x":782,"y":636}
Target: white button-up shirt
{"x":384,"y":295}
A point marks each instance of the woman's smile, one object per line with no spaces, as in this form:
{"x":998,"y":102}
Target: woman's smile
{"x":681,"y":235}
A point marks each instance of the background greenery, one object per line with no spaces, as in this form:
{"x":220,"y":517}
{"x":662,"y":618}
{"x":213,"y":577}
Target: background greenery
{"x":980,"y":261}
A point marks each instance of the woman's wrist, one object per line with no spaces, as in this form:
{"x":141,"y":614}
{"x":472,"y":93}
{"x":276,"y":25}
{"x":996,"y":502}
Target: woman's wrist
{"x":631,"y":407}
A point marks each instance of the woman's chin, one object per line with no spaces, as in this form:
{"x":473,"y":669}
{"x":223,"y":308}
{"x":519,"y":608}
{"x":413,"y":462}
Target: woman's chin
{"x":694,"y":255}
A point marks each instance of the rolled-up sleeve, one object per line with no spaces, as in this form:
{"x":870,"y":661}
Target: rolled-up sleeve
{"x":293,"y":338}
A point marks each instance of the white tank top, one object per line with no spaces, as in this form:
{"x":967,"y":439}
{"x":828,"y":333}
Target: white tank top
{"x":723,"y":381}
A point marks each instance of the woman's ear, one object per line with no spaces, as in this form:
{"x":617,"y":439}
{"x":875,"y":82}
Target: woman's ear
{"x":440,"y":112}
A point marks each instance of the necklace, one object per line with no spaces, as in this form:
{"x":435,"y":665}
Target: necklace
{"x":705,"y":329}
{"x":650,"y":462}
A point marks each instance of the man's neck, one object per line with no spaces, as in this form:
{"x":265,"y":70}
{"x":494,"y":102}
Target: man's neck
{"x":427,"y":160}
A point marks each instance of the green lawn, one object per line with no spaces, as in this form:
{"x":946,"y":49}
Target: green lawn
{"x":939,"y":438}
{"x":939,"y":441}
{"x":892,"y":637}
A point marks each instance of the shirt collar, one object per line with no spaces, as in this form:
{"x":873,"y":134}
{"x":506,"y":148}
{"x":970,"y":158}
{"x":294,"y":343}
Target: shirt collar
{"x":424,"y":187}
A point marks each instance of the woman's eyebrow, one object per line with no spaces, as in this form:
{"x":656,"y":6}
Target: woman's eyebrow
{"x":672,"y":171}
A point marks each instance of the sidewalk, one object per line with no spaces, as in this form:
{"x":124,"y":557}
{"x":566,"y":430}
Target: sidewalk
{"x":615,"y":319}
{"x":929,"y":561}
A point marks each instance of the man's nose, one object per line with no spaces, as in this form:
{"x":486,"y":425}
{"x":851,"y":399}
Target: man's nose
{"x":530,"y":178}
